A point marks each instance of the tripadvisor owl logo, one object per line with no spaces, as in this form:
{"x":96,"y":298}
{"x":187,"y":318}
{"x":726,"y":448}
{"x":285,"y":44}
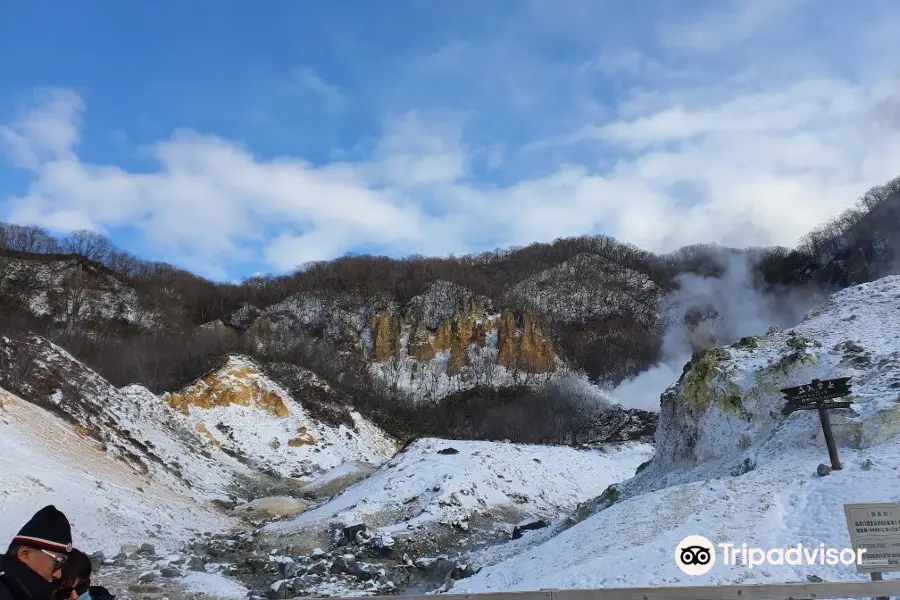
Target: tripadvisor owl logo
{"x":695,"y":555}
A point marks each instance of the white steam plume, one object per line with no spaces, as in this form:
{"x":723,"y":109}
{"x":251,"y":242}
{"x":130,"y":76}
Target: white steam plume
{"x":742,"y":309}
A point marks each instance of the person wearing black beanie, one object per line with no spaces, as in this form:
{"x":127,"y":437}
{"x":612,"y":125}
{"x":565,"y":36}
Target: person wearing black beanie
{"x":35,"y":556}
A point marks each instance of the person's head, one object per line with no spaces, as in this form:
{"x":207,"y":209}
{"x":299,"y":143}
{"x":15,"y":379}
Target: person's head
{"x":43,"y":544}
{"x":75,"y":577}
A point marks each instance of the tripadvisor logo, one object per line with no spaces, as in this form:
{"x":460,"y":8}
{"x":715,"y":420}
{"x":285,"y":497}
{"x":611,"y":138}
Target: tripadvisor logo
{"x":695,"y":555}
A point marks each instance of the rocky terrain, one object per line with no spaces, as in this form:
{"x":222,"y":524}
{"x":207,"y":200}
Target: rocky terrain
{"x":238,"y":484}
{"x":729,"y":463}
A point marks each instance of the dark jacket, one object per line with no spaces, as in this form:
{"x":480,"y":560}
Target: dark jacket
{"x":19,"y":582}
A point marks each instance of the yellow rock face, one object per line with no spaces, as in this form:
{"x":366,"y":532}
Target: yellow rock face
{"x":463,"y":336}
{"x":202,"y":430}
{"x":443,"y":338}
{"x":238,"y":386}
{"x":303,"y":439}
{"x":386,"y":342}
{"x":507,"y":340}
{"x":535,"y":348}
{"x":420,"y":346}
{"x":526,"y":348}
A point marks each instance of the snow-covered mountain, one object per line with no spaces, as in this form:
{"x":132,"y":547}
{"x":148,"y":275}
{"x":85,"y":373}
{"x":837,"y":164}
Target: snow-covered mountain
{"x":733,"y":467}
{"x":563,"y":294}
{"x":728,"y":464}
{"x":131,"y":468}
{"x":242,"y":412}
{"x":233,"y":424}
{"x":132,"y":425}
{"x":275,"y":387}
{"x":70,"y":291}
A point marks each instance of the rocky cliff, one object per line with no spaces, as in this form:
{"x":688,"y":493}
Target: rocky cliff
{"x":446,"y":339}
{"x":726,"y":408}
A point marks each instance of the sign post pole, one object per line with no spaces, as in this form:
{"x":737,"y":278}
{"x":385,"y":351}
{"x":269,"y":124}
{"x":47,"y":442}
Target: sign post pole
{"x":829,"y":439}
{"x":876,"y":576}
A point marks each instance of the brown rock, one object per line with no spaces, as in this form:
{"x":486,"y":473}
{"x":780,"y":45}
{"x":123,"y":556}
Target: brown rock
{"x":386,"y":339}
{"x":420,"y":346}
{"x":232,"y":385}
{"x":202,"y":430}
{"x":507,"y":340}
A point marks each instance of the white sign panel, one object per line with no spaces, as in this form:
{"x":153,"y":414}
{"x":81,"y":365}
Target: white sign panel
{"x":875,"y":528}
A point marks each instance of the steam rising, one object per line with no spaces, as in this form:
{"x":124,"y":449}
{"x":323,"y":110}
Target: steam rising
{"x":729,"y":307}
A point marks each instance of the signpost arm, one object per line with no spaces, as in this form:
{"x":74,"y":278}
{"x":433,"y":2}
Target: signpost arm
{"x":829,"y":439}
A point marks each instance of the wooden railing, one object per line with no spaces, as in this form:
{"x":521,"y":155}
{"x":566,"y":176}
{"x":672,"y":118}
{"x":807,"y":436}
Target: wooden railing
{"x":783,"y":591}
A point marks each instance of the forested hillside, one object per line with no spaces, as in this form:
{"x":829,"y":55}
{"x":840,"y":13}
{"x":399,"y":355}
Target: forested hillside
{"x":477,"y":346}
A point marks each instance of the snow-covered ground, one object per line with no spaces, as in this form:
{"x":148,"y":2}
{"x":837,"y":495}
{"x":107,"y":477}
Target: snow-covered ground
{"x":633,"y":543}
{"x":338,"y":479}
{"x":133,"y":424}
{"x":429,"y":483}
{"x":44,"y":461}
{"x":724,"y":413}
{"x":214,"y":585}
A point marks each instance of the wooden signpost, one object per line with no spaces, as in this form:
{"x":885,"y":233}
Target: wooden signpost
{"x":821,"y":395}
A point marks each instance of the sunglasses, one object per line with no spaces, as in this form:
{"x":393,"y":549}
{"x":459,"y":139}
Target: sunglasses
{"x":58,"y":561}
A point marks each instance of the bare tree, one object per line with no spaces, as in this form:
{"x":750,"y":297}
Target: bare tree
{"x":90,"y":245}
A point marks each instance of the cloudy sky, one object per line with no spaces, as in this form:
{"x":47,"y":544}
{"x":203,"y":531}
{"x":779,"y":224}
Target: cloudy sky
{"x":233,"y":138}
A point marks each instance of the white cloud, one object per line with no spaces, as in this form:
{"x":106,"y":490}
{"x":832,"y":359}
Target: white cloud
{"x":413,"y":153}
{"x":807,"y":103}
{"x":653,"y":149}
{"x":306,"y":78}
{"x":760,"y":168}
{"x":48,"y":130}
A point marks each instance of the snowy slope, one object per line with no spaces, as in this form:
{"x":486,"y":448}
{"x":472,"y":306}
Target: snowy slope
{"x":240,"y":410}
{"x":731,"y":466}
{"x":632,"y":543}
{"x":220,"y":431}
{"x":44,"y":461}
{"x":132,"y":424}
{"x":422,"y":486}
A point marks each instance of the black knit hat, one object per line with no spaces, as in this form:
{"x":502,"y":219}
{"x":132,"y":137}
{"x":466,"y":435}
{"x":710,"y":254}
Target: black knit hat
{"x":48,"y":529}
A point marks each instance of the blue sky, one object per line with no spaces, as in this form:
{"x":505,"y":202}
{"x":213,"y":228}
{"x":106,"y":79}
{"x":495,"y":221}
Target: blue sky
{"x":233,"y":138}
